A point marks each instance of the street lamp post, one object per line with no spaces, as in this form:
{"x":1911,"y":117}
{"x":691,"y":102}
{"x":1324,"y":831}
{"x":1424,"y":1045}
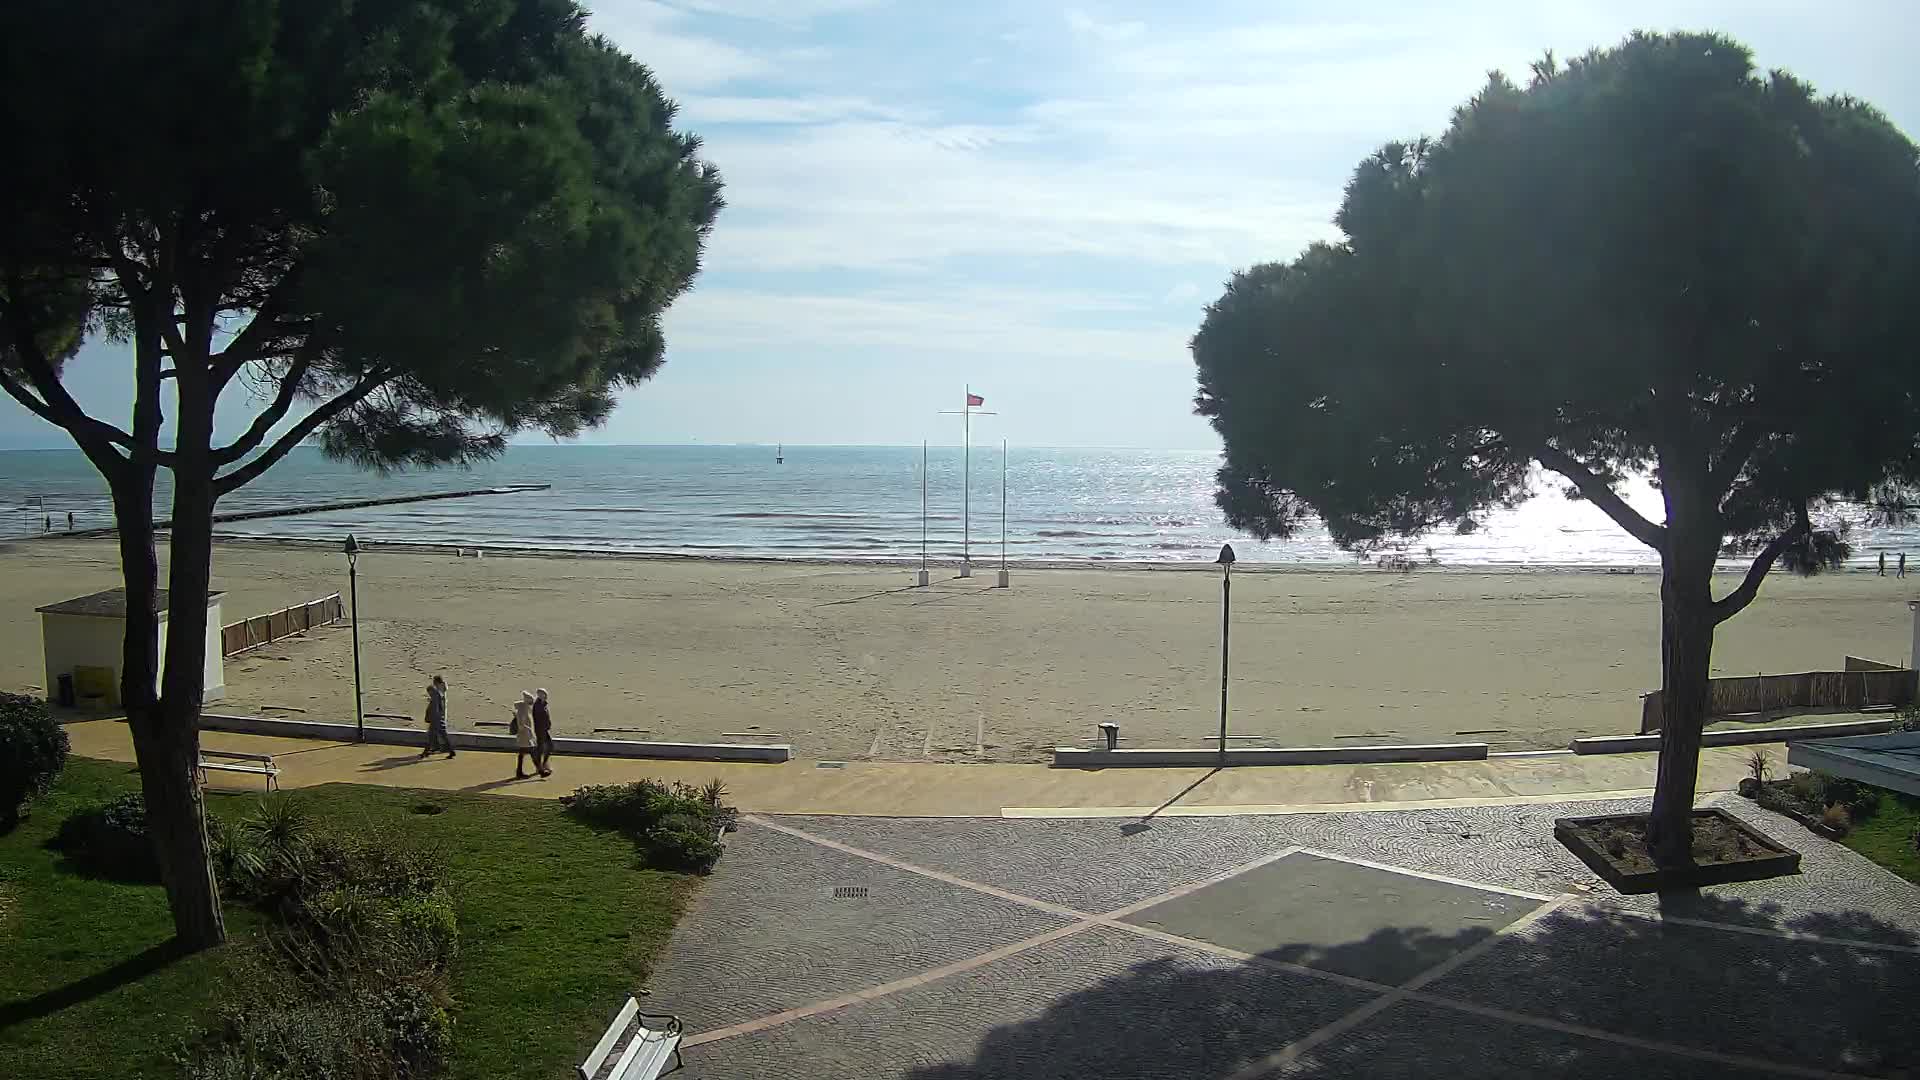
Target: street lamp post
{"x":1226,"y":606}
{"x":352,"y":549}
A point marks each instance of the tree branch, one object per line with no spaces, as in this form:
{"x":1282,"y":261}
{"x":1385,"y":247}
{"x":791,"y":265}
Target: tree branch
{"x":1598,"y":492}
{"x":253,"y":338}
{"x":275,"y":412}
{"x":56,"y":406}
{"x":1736,"y":601}
{"x":1740,"y":447}
{"x":296,"y":434}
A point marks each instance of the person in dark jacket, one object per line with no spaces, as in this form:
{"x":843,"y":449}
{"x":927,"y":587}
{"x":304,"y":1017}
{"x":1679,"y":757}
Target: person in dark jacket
{"x":542,"y":734}
{"x":437,"y":717}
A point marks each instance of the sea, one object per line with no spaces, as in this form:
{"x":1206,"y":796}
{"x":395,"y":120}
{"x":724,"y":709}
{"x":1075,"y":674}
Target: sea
{"x":839,"y":503}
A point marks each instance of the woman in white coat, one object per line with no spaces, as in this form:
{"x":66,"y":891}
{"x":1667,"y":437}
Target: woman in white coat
{"x":523,"y":735}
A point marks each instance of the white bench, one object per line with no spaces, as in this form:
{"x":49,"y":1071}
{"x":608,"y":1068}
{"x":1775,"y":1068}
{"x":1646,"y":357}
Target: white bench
{"x":255,"y":764}
{"x":645,"y":1044}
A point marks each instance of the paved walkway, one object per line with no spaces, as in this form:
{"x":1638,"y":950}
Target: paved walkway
{"x":1015,"y":922}
{"x":945,"y":790}
{"x":1435,"y":943}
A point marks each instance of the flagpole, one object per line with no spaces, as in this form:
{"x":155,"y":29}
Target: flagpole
{"x":966,"y":480}
{"x":1003,"y":514}
{"x":966,"y":486}
{"x":922,"y":578}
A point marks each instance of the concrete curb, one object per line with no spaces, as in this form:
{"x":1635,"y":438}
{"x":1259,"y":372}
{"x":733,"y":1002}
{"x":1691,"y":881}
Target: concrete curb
{"x":473,"y":740}
{"x":1072,"y":757}
{"x":1635,"y":744}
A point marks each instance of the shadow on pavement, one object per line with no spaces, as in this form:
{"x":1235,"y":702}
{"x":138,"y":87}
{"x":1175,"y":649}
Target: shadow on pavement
{"x":1798,"y":1003}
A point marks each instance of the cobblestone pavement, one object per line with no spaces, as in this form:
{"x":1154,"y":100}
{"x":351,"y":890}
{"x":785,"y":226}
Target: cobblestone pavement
{"x":1429,"y":943}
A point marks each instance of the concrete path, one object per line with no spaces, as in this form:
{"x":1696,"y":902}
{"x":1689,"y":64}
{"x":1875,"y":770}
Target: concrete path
{"x":1433,"y":943}
{"x":946,"y":790}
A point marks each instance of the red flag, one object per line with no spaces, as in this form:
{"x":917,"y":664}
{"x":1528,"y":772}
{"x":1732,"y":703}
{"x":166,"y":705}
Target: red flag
{"x":976,"y":399}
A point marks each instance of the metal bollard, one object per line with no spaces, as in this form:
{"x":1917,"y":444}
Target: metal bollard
{"x":1112,"y":734}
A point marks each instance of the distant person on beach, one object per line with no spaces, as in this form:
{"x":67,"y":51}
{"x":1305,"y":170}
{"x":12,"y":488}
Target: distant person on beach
{"x":542,"y":734}
{"x":1883,"y":564}
{"x":69,"y":521}
{"x":523,"y":736}
{"x":1902,"y":572}
{"x":437,"y":717}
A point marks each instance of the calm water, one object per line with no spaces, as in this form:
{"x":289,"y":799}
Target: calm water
{"x":826,"y":502}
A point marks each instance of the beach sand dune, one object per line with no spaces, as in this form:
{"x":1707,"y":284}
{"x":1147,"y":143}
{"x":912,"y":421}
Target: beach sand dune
{"x":846,"y":662}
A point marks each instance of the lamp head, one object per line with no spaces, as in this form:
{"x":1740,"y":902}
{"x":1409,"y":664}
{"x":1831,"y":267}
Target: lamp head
{"x":1226,"y":555}
{"x":351,"y":547}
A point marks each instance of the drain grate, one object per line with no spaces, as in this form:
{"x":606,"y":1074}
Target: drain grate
{"x":850,"y":892}
{"x":829,"y":764}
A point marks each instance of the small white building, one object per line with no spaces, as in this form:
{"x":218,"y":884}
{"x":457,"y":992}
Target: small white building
{"x":90,"y":632}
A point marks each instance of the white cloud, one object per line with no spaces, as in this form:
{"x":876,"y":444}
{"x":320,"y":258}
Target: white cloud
{"x":658,"y":37}
{"x":699,"y":109}
{"x":1061,"y":324}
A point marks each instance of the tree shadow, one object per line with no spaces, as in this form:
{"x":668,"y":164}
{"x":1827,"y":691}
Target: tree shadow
{"x":132,"y":969}
{"x":399,"y":761}
{"x":1799,"y":1003}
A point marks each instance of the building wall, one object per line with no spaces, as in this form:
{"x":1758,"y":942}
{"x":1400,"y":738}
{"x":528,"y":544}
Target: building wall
{"x":71,"y":641}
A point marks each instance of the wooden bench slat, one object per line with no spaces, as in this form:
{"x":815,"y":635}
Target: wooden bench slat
{"x":621,"y":1021}
{"x":656,"y":1048}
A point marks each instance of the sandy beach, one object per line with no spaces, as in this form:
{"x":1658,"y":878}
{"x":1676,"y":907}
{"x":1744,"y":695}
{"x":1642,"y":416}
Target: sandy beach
{"x":848,"y":662}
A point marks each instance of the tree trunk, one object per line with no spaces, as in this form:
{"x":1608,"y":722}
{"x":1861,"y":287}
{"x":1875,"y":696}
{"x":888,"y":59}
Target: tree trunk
{"x":1686,"y":661}
{"x":166,"y":749}
{"x":180,"y":833}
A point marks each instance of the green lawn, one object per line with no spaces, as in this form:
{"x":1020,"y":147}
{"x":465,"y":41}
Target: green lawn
{"x":557,"y":926}
{"x":1887,"y":836}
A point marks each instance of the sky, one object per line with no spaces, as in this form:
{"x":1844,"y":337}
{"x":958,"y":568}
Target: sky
{"x":1039,"y":200}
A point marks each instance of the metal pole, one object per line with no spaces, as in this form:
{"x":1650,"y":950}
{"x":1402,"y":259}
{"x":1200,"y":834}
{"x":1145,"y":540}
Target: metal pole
{"x":966,"y":487}
{"x":1003,"y":506}
{"x":920,"y":580}
{"x":353,"y":591}
{"x":1226,"y":627}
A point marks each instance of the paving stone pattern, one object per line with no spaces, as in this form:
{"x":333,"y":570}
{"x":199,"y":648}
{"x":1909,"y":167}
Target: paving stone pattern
{"x":1414,"y":1041}
{"x":1099,"y":1004}
{"x":766,"y":933}
{"x":1592,"y":988}
{"x":1337,"y":916}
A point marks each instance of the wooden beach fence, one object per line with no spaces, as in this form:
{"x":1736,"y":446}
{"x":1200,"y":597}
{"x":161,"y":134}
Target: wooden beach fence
{"x":1865,"y":683}
{"x":239,"y":637}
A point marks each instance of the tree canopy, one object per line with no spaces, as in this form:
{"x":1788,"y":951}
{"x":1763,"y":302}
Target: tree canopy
{"x":438,"y":223}
{"x":1653,"y":259}
{"x":407,"y":228}
{"x":1649,"y":259}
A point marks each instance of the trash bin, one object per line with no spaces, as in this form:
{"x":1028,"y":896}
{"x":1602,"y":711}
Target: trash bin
{"x":66,"y":696}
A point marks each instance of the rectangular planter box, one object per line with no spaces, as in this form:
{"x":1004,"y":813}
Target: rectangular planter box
{"x":1780,"y":860}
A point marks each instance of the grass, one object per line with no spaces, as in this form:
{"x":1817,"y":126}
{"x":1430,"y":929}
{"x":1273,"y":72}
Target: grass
{"x":1887,"y":836}
{"x":557,"y":926}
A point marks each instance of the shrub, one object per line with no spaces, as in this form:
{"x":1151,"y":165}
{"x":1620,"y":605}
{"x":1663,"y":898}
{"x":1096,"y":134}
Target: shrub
{"x":1908,"y":718}
{"x":33,"y":750}
{"x":1837,"y":818}
{"x":1760,"y":766}
{"x":393,"y":1032}
{"x":110,"y":840}
{"x":674,"y":827}
{"x":684,"y":842}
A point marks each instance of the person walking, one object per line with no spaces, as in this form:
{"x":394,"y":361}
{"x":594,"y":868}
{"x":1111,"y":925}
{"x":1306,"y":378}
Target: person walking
{"x":1883,"y":564}
{"x":437,"y":718}
{"x":1902,"y":572}
{"x":542,"y":734}
{"x":523,"y":736}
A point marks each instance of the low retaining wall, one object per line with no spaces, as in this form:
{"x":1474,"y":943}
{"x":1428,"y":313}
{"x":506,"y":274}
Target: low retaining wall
{"x":474,"y":740}
{"x":1071,"y":757}
{"x":1634,"y":744}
